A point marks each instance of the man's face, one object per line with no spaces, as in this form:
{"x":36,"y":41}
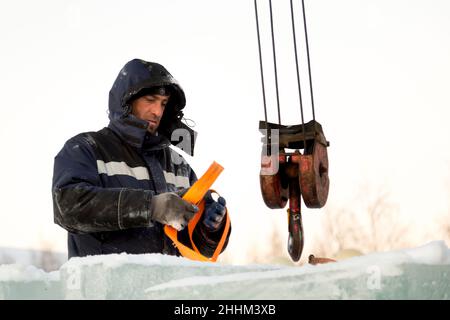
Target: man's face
{"x":150,"y":108}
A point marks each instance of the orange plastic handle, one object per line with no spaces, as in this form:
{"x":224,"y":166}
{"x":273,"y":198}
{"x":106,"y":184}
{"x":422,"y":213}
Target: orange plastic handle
{"x":195,"y":195}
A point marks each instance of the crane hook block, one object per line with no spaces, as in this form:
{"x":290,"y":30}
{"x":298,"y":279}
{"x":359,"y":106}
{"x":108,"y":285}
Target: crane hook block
{"x":312,"y":164}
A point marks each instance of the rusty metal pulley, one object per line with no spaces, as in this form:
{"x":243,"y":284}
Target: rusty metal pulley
{"x":313,"y":164}
{"x":314,"y":181}
{"x":273,"y":181}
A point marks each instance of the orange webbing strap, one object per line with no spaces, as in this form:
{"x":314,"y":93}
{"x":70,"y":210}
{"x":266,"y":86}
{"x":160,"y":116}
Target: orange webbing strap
{"x":195,"y":195}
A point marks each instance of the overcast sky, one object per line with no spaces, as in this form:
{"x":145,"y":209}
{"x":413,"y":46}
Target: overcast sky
{"x":381,"y":78}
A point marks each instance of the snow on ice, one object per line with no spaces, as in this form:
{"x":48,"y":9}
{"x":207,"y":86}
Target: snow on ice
{"x":419,"y":273}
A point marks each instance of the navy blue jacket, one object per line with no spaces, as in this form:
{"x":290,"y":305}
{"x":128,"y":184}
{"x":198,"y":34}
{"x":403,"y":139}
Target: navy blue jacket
{"x":104,"y":181}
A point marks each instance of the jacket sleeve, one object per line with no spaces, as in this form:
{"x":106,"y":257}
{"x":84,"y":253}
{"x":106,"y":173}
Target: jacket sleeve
{"x":82,"y":205}
{"x":205,"y":240}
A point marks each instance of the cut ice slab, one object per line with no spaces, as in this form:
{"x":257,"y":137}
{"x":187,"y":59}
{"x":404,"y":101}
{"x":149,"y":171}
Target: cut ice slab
{"x":128,"y":276}
{"x":419,"y":273}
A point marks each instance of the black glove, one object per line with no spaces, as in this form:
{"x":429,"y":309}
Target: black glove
{"x":214,"y":212}
{"x":168,"y":208}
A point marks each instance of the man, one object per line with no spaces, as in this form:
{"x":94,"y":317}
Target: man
{"x":115,"y":189}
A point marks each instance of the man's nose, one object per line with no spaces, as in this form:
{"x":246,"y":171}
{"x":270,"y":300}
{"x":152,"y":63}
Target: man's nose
{"x":158,"y":110}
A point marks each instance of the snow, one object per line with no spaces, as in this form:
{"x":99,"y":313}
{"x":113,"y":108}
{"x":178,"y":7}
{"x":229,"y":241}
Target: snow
{"x":417,"y":273}
{"x":22,"y":273}
{"x":43,"y":259}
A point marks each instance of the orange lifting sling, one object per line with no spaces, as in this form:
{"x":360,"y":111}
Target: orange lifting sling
{"x":195,"y":195}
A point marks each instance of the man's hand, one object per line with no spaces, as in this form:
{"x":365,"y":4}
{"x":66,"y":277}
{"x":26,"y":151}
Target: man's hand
{"x":214,"y":212}
{"x":168,"y":208}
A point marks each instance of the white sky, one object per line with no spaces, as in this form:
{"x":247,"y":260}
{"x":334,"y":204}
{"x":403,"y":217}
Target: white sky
{"x":381,"y":77}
